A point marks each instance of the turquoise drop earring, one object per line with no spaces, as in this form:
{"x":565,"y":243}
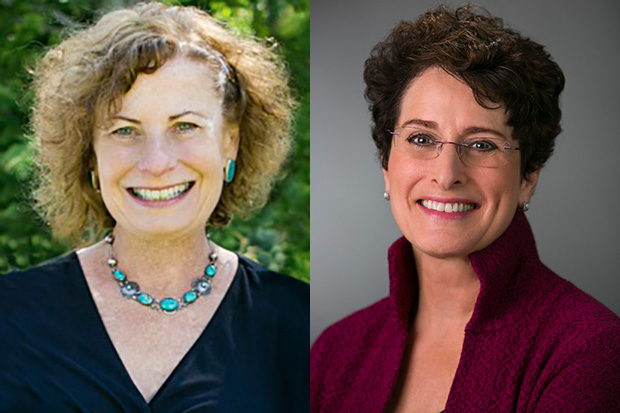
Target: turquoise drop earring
{"x":229,"y":171}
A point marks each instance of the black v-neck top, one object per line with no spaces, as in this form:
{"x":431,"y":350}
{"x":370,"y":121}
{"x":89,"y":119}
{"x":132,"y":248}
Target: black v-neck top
{"x":56,"y":356}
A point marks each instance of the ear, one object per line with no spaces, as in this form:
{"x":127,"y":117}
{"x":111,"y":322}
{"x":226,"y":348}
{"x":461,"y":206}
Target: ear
{"x":528,"y":184}
{"x":230,"y":143}
{"x":92,"y":164}
{"x":386,"y":178}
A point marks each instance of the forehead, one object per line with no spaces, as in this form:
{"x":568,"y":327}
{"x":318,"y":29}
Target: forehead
{"x":438,"y":97}
{"x":181,"y":84}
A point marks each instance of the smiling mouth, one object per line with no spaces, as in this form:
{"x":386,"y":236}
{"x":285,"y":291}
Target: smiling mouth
{"x":447,"y":207}
{"x":166,"y":194}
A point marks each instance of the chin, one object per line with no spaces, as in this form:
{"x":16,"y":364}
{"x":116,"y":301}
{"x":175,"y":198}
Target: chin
{"x":445,"y":254}
{"x":162,"y":228}
{"x":443,"y":248}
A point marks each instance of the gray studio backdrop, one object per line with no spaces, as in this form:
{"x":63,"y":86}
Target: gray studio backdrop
{"x":574,"y":213}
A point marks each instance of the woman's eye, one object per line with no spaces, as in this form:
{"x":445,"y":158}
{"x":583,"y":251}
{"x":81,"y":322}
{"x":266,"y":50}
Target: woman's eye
{"x":125,"y":131}
{"x":483,"y":145}
{"x":185,"y":127}
{"x":420,"y":140}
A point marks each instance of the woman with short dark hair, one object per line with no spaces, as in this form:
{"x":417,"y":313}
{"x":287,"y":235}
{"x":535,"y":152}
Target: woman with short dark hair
{"x":465,"y":113}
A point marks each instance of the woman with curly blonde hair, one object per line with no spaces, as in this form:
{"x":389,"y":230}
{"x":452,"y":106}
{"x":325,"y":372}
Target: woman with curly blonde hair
{"x":149,"y":125}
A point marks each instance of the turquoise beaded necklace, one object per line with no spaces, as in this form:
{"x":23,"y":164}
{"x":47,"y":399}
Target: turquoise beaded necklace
{"x":168,"y":305}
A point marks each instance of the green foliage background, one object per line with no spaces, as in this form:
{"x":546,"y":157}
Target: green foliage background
{"x":277,"y":237}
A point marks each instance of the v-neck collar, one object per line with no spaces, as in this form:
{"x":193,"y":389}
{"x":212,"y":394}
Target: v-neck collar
{"x":104,"y":337}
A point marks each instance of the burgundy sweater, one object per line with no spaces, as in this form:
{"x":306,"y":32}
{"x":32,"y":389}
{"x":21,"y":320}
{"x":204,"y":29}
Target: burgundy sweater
{"x":535,"y":342}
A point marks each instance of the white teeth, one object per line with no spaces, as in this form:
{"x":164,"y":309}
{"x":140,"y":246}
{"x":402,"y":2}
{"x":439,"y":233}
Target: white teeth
{"x":160,"y":195}
{"x":448,"y":207}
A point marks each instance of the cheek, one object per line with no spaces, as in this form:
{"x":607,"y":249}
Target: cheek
{"x":104,"y":166}
{"x":203,"y":162}
{"x":502,"y":189}
{"x":112,"y":163}
{"x":206,"y":158}
{"x":401,"y":174}
{"x":508,"y":184}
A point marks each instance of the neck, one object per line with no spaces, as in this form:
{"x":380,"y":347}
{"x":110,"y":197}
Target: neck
{"x":161,"y":266}
{"x":448,"y":289}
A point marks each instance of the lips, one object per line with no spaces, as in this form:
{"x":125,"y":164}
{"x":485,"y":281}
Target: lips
{"x":448,"y":207}
{"x":164,"y":194}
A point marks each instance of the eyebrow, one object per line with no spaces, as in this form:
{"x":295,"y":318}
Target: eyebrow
{"x":127,"y":119}
{"x":171,"y":118}
{"x":426,"y":123}
{"x":472,"y":130}
{"x":187,"y":112}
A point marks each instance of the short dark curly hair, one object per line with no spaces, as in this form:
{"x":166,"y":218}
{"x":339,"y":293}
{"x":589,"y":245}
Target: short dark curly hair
{"x":502,"y":67}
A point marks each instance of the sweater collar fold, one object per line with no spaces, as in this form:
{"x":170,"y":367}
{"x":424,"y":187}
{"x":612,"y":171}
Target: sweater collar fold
{"x":495,"y":265}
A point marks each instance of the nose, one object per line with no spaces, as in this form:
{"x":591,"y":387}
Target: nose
{"x":157,"y":156}
{"x":448,"y":168}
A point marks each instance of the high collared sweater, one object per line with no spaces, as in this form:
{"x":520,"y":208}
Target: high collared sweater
{"x":535,"y":342}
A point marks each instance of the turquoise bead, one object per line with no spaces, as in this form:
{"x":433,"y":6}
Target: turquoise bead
{"x":169,"y":305}
{"x":190,"y":297}
{"x":210,"y":270}
{"x":145,"y":299}
{"x":119,"y":275}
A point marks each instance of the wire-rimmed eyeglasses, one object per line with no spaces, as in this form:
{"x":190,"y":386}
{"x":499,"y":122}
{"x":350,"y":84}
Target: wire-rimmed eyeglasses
{"x":484,"y":151}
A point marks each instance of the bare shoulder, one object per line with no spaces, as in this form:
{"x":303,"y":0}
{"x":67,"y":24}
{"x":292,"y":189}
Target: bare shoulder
{"x":227,"y":260}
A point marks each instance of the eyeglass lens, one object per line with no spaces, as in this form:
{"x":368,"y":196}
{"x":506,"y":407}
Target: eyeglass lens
{"x":479,"y":151}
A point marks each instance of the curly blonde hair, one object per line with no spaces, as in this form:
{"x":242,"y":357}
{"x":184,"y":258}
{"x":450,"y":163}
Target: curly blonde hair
{"x":87,"y":75}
